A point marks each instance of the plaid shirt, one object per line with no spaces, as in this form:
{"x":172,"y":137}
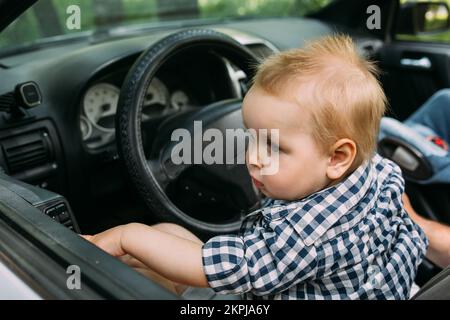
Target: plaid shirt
{"x":353,"y":240}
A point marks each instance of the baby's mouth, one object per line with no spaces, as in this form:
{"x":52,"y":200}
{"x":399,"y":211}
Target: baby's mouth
{"x":257,"y":183}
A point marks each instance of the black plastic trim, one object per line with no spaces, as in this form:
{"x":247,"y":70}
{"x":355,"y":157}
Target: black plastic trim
{"x":102,"y":274}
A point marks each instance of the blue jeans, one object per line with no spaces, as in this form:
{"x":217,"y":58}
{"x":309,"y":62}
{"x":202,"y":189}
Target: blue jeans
{"x":432,"y":119}
{"x":434,"y":114}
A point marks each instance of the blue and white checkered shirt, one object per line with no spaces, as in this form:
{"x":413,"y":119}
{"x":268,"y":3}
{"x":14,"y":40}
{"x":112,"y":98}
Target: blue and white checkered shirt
{"x":353,"y":240}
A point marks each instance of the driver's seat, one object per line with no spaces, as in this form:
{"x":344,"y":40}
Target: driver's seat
{"x":438,"y":288}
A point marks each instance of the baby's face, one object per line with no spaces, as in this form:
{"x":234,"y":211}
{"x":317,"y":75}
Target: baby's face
{"x":302,"y":164}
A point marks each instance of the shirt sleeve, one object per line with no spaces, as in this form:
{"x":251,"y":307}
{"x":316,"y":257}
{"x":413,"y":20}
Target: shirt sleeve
{"x":262,"y":262}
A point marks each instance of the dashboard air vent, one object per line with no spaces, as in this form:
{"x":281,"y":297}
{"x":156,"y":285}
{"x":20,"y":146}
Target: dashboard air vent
{"x":27,"y":151}
{"x":7,"y":101}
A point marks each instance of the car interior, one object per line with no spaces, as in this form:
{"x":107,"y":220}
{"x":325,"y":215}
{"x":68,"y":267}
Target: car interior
{"x":85,"y":130}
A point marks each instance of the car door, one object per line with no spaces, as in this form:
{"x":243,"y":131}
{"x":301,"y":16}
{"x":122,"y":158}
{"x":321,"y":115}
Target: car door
{"x":42,"y":258}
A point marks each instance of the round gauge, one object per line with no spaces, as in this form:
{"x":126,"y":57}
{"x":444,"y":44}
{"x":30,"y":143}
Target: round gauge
{"x":179,"y":100}
{"x":100,"y":105}
{"x":85,"y":127}
{"x":156,"y":97}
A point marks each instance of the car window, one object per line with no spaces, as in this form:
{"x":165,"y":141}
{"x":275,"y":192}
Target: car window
{"x":424,"y":21}
{"x":55,"y":19}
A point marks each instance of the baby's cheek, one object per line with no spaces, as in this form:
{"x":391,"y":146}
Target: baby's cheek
{"x":287,"y":176}
{"x":286,"y":165}
{"x":278,"y":181}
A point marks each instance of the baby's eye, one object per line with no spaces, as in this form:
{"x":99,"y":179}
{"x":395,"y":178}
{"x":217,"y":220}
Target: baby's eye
{"x":272,"y":145}
{"x":277,"y":148}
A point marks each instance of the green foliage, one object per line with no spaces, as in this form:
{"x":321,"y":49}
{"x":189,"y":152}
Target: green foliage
{"x":24,"y":29}
{"x":442,"y":37}
{"x":28,"y":28}
{"x":230,"y":8}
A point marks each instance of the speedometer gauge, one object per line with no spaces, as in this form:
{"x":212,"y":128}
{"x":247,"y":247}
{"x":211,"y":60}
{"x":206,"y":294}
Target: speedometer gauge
{"x":156,"y":99}
{"x":85,"y":127}
{"x":157,"y":93}
{"x":179,"y":100}
{"x":100,"y":105}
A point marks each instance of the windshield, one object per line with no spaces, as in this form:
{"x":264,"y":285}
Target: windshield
{"x":52,"y":20}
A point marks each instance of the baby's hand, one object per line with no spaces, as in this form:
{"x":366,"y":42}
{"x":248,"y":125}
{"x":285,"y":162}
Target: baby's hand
{"x":109,"y":241}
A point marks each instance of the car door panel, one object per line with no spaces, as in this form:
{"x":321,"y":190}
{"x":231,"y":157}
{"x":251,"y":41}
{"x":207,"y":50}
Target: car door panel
{"x":40,"y":250}
{"x":412,"y":72}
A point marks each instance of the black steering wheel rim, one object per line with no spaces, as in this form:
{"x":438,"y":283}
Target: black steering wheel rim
{"x":129,"y":113}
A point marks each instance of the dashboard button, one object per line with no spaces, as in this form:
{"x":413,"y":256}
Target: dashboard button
{"x":64,"y":216}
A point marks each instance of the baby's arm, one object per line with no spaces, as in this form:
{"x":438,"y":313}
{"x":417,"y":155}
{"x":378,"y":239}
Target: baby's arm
{"x":174,"y":258}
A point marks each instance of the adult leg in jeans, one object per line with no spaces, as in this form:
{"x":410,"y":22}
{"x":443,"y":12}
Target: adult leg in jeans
{"x":435,"y":114}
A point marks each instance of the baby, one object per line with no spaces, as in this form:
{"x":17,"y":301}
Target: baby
{"x":333,"y":225}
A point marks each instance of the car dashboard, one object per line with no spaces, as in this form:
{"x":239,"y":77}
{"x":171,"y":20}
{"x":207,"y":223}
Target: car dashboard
{"x":183,"y":84}
{"x":67,"y":144}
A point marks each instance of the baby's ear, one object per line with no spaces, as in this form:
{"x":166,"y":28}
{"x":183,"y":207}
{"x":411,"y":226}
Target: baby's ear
{"x":342,"y":155}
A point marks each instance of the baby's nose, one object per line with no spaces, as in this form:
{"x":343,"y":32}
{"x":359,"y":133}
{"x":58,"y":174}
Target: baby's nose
{"x":253,"y":159}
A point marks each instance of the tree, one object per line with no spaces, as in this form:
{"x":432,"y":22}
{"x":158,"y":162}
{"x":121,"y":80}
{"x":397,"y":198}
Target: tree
{"x":302,"y":7}
{"x":170,"y":9}
{"x":47,"y":17}
{"x":108,"y":12}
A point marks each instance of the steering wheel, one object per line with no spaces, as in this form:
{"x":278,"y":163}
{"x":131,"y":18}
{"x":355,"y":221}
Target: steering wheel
{"x":207,"y":198}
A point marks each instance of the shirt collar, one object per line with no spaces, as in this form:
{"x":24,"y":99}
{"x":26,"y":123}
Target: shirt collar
{"x":312,"y":216}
